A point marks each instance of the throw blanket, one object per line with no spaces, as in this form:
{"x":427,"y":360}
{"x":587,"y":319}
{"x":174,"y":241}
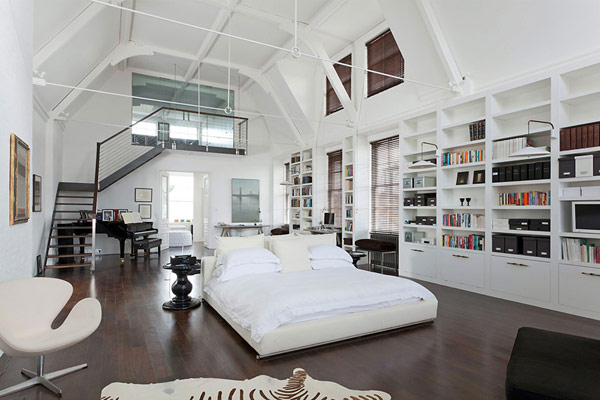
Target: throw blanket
{"x":298,"y":386}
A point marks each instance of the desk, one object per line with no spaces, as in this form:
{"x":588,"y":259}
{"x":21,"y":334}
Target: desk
{"x":226,"y":229}
{"x":324,"y":231}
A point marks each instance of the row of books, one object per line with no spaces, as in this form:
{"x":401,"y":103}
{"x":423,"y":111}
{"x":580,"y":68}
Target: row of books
{"x":349,"y":184}
{"x":306,"y":179}
{"x":295,"y":170}
{"x":532,"y":198}
{"x":295,"y":159}
{"x":295,"y":192}
{"x":463,"y":157}
{"x":307,"y":202}
{"x":348,"y":213}
{"x":580,"y":250}
{"x":349,"y":171}
{"x":296,"y":203}
{"x":349,"y":199}
{"x":580,"y":137}
{"x":307,"y":191}
{"x":471,"y":242}
{"x":502,"y":149}
{"x":349,"y":226}
{"x":477,"y":130}
{"x":464,"y":220}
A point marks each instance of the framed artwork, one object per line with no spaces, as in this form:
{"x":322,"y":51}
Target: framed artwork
{"x":19,"y":181}
{"x":37,"y":193}
{"x":143,"y":195}
{"x":462,"y":178}
{"x":108,"y":215}
{"x":145,"y":211}
{"x":245,"y":200}
{"x":479,"y":176}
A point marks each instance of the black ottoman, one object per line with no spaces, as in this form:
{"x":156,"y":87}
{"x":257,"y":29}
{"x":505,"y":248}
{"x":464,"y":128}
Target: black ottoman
{"x":555,"y":366}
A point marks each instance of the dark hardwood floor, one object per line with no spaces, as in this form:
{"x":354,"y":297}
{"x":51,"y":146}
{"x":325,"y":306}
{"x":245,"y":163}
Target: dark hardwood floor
{"x":463,"y":355}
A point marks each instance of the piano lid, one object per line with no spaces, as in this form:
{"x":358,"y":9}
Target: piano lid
{"x":132,"y":218}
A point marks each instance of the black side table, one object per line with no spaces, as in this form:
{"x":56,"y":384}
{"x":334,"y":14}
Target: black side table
{"x":356,"y":255}
{"x":182,"y":287}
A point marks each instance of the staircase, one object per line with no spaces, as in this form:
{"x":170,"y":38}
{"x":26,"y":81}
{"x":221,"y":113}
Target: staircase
{"x":72,"y":246}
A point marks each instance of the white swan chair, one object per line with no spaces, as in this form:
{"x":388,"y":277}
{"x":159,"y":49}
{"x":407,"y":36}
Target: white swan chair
{"x":27,"y":309}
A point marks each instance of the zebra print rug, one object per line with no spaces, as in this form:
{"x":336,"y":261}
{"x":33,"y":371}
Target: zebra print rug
{"x":298,"y":386}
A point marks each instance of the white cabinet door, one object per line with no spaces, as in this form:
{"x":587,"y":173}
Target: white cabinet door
{"x":463,"y":267}
{"x":521,"y":277}
{"x":419,"y":260}
{"x":579,"y":287}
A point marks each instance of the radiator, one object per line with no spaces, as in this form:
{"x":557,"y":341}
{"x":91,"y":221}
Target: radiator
{"x":389,"y":260}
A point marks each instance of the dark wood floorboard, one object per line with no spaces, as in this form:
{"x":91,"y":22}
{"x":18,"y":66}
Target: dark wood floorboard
{"x":463,"y":355}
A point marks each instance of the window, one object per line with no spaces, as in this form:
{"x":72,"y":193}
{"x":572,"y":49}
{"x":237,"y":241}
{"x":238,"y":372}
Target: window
{"x":181,"y":197}
{"x":332,"y":101}
{"x":334,"y":187}
{"x":385,"y":185}
{"x":383,"y":55}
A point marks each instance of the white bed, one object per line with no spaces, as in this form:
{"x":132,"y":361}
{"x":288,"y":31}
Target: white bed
{"x":265,"y":311}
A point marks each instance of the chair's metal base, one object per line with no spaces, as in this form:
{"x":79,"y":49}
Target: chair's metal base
{"x":40,"y":378}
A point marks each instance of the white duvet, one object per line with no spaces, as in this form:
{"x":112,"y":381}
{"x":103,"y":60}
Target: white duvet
{"x":261,"y":303}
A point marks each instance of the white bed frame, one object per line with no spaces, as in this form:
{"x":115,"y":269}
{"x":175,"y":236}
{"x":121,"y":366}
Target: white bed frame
{"x":302,"y":335}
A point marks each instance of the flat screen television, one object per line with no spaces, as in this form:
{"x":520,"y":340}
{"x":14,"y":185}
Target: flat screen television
{"x":329,"y":219}
{"x":586,"y":216}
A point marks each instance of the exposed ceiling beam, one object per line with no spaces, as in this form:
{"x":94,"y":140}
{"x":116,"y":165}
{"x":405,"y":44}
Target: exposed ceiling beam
{"x":84,"y":83}
{"x":125,"y":30}
{"x":257,"y":13}
{"x":219,"y":24}
{"x":319,"y":19}
{"x":439,"y":41}
{"x":66,"y":34}
{"x":333,"y":77}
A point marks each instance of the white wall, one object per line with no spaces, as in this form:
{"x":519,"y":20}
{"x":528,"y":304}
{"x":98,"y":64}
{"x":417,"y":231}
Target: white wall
{"x":16,"y":33}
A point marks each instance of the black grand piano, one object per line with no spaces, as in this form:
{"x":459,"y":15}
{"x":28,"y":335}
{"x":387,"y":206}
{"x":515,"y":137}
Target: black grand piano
{"x":139,"y":233}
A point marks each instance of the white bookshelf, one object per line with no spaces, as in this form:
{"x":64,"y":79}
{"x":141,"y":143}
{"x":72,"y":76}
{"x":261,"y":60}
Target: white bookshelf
{"x":348,"y":201}
{"x":567,"y":95}
{"x":302,"y":193}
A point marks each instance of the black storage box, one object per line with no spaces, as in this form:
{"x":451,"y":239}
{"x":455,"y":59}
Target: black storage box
{"x":516,"y":175}
{"x":508,"y":175}
{"x":530,"y":171}
{"x":420,"y":200}
{"x":543,"y":247}
{"x":597,"y":164}
{"x":421,"y":220}
{"x":431,"y":201}
{"x":539,"y":225}
{"x":513,"y":245}
{"x":546,"y":170}
{"x":539,"y":170}
{"x":431,"y":220}
{"x":498,"y":244}
{"x":518,"y":224}
{"x":530,"y":246}
{"x":409,"y":201}
{"x":501,"y":174}
{"x":524,"y":172}
{"x":496,"y":174}
{"x":566,"y":168}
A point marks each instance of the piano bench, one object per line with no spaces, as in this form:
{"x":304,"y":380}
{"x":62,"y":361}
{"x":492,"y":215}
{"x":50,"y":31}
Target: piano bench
{"x":146,"y":245}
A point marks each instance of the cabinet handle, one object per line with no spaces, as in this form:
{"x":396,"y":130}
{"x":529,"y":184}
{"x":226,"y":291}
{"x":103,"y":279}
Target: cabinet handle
{"x":417,"y":250}
{"x":459,"y":256}
{"x":590,"y":274}
{"x":517,"y":264}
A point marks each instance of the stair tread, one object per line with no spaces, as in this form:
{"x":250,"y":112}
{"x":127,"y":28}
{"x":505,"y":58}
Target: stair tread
{"x":68,"y":265}
{"x":69,"y":255}
{"x":70,"y":211}
{"x":71,"y":227}
{"x":70,"y":236}
{"x":73,"y":219}
{"x":62,"y":246}
{"x":74,"y":196}
{"x":73,"y":204}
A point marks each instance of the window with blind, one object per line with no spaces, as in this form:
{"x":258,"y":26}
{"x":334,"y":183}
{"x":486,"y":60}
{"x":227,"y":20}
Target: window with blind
{"x":332,"y":102}
{"x":334,"y":187}
{"x":385,"y":185}
{"x":383,"y":55}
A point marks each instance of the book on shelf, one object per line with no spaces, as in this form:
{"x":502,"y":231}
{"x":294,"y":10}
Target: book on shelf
{"x":295,"y":170}
{"x":295,"y":159}
{"x":348,"y":213}
{"x":349,"y":171}
{"x":502,"y":149}
{"x":477,"y":130}
{"x":295,"y":192}
{"x":349,"y":184}
{"x":349,"y":200}
{"x":307,"y":191}
{"x":306,"y":179}
{"x":295,"y":203}
{"x":463,"y":157}
{"x":307,"y":203}
{"x":464,"y":220}
{"x":532,"y":198}
{"x":580,"y":250}
{"x":349,"y":226}
{"x":580,"y":137}
{"x":471,"y":242}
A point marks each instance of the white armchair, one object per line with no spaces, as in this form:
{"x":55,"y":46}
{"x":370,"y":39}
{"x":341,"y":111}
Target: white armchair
{"x":27,"y":309}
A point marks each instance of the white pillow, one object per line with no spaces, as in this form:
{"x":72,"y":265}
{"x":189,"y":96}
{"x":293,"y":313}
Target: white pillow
{"x":327,"y":238}
{"x":237,"y":257}
{"x":328,"y":264}
{"x":226,"y":244}
{"x":269,"y":239}
{"x":293,"y":255}
{"x":224,"y":274}
{"x":328,"y":252}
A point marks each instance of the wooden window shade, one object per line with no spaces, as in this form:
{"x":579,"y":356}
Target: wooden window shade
{"x":385,"y":185}
{"x":333,"y":103}
{"x":334,"y":186}
{"x":383,"y":55}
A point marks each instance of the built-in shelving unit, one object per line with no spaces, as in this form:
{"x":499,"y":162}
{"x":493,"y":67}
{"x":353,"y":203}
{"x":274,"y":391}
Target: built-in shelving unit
{"x":348,"y":209}
{"x":566,"y":96}
{"x":301,"y":196}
